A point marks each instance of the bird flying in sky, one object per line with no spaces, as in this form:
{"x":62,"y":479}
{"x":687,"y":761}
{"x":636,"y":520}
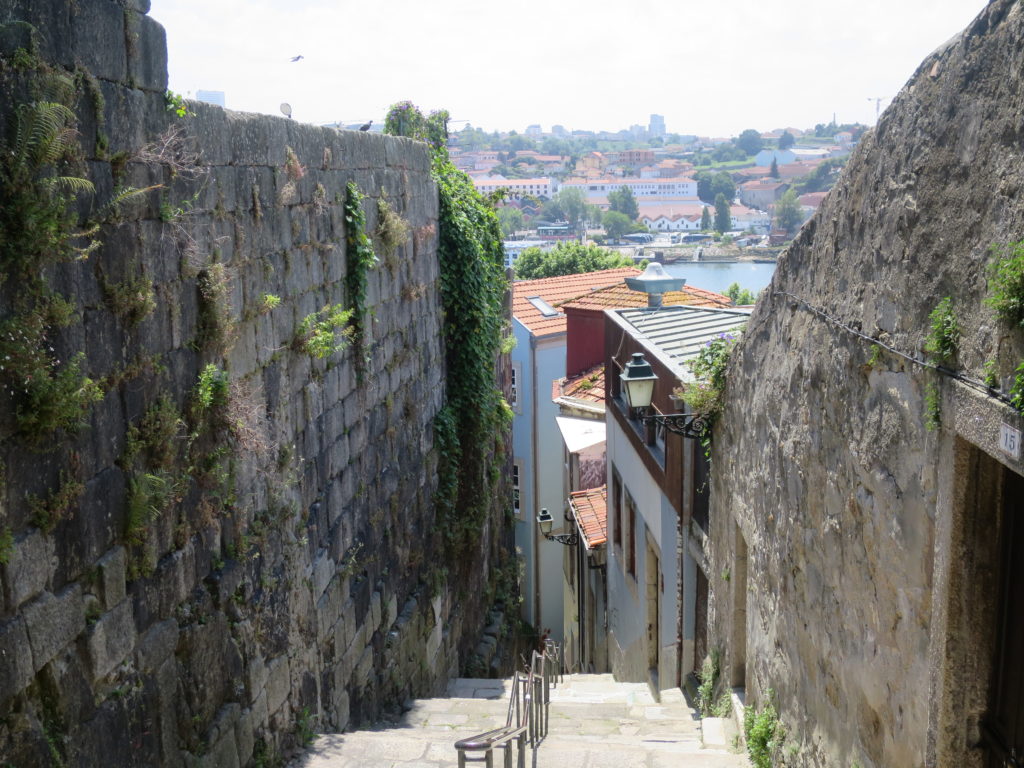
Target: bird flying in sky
{"x":297,"y":58}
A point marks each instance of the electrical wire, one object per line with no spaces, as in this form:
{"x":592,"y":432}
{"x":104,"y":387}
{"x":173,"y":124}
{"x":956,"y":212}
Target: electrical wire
{"x":975,"y":384}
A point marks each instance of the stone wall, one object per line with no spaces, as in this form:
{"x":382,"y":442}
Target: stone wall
{"x":290,"y":577}
{"x":842,"y":526}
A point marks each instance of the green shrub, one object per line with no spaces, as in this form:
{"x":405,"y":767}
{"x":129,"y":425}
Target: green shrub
{"x":268,"y":303}
{"x":131,"y":300}
{"x":1017,"y":389}
{"x":708,"y":677}
{"x":1006,"y":283}
{"x":323,"y":333}
{"x":944,"y":337}
{"x":764,"y":734}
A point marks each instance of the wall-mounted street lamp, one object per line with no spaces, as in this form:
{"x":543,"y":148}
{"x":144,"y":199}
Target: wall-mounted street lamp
{"x":545,"y":522}
{"x":638,"y":384}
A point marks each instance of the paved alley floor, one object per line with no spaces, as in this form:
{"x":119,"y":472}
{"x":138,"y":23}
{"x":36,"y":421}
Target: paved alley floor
{"x":594,"y":723}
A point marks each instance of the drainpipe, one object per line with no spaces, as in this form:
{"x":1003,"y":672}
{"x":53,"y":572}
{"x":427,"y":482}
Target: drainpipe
{"x":536,"y":496}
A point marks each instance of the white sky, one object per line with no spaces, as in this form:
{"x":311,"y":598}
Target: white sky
{"x":711,"y":68}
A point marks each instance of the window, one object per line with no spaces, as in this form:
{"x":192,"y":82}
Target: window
{"x":616,"y":509}
{"x":514,"y":390}
{"x":515,"y":490}
{"x":629,"y":543}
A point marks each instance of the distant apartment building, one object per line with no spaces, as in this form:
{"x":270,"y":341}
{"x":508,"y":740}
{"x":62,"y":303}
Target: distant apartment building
{"x":637,"y":156}
{"x":761,"y":194}
{"x":657,"y":125}
{"x":677,"y":188}
{"x":533,"y":130}
{"x":517,"y":188}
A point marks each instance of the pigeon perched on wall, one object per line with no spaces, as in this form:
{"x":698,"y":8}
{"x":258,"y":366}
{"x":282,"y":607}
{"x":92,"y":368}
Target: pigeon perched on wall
{"x":365,"y":126}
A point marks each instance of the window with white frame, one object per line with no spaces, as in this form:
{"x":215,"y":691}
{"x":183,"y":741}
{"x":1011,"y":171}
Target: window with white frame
{"x":515,"y":490}
{"x":514,"y":392}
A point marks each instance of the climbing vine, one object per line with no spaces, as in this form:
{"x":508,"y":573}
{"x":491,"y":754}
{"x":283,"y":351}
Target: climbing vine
{"x":706,"y":393}
{"x":360,"y":259}
{"x":470,"y":427}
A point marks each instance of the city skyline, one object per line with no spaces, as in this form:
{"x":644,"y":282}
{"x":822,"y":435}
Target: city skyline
{"x":760,"y":65}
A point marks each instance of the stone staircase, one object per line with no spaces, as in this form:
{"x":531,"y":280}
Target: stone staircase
{"x":594,"y":722}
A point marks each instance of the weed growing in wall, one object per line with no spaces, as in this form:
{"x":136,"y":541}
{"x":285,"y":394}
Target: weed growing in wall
{"x":944,"y":334}
{"x":216,"y":328}
{"x":1006,"y":283}
{"x":39,"y":227}
{"x":151,"y":461}
{"x":323,"y":333}
{"x":764,"y":734}
{"x":268,"y":303}
{"x":392,"y":231}
{"x":131,"y":300}
{"x":360,"y":259}
{"x":57,"y":506}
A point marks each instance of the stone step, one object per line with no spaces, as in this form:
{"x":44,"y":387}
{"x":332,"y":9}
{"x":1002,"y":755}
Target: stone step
{"x":594,"y":722}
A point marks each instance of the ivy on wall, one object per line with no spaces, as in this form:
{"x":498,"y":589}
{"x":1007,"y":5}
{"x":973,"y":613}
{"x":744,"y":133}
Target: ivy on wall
{"x":470,"y":427}
{"x":360,"y":259}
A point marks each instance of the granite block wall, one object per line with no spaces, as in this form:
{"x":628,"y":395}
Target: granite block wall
{"x":272,"y":571}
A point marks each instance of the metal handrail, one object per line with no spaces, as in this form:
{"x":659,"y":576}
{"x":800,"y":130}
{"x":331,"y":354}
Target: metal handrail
{"x":527,"y":718}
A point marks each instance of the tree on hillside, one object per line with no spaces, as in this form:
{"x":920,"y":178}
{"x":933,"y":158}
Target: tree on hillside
{"x":750,"y":141}
{"x":511,"y":220}
{"x":786,"y":140}
{"x":616,"y":224}
{"x":705,"y":219}
{"x":622,"y":201}
{"x":723,"y":213}
{"x":592,"y":215}
{"x":788,"y":213}
{"x":820,"y":178}
{"x":573,"y":205}
{"x":774,"y":170}
{"x":703,"y":179}
{"x":551,"y":210}
{"x":740,"y":296}
{"x":567,"y":258}
{"x":722,"y":184}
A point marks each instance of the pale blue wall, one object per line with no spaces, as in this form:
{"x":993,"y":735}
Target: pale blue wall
{"x":540,"y":363}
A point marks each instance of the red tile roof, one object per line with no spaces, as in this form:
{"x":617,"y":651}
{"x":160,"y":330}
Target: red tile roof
{"x":618,"y":296}
{"x":590,"y":508}
{"x":812,"y":199}
{"x":557,"y":291}
{"x":588,"y":386}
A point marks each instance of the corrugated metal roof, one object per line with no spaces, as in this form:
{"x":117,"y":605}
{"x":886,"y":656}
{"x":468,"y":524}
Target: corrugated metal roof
{"x":678,"y":333}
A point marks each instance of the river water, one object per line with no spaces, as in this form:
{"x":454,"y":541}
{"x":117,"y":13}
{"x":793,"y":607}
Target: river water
{"x":717,"y":276}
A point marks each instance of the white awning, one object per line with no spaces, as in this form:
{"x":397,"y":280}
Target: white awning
{"x":579,"y":434}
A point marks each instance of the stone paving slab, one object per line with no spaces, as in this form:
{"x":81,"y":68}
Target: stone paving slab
{"x":594,"y":723}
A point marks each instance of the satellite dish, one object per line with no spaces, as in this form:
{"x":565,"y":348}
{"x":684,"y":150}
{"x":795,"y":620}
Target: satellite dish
{"x":286,"y":109}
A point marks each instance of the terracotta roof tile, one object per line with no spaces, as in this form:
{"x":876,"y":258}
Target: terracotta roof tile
{"x":556,"y":291}
{"x":590,"y":508}
{"x":618,"y":296}
{"x":588,"y":386}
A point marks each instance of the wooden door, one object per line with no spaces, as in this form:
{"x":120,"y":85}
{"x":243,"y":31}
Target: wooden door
{"x":1004,"y":725}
